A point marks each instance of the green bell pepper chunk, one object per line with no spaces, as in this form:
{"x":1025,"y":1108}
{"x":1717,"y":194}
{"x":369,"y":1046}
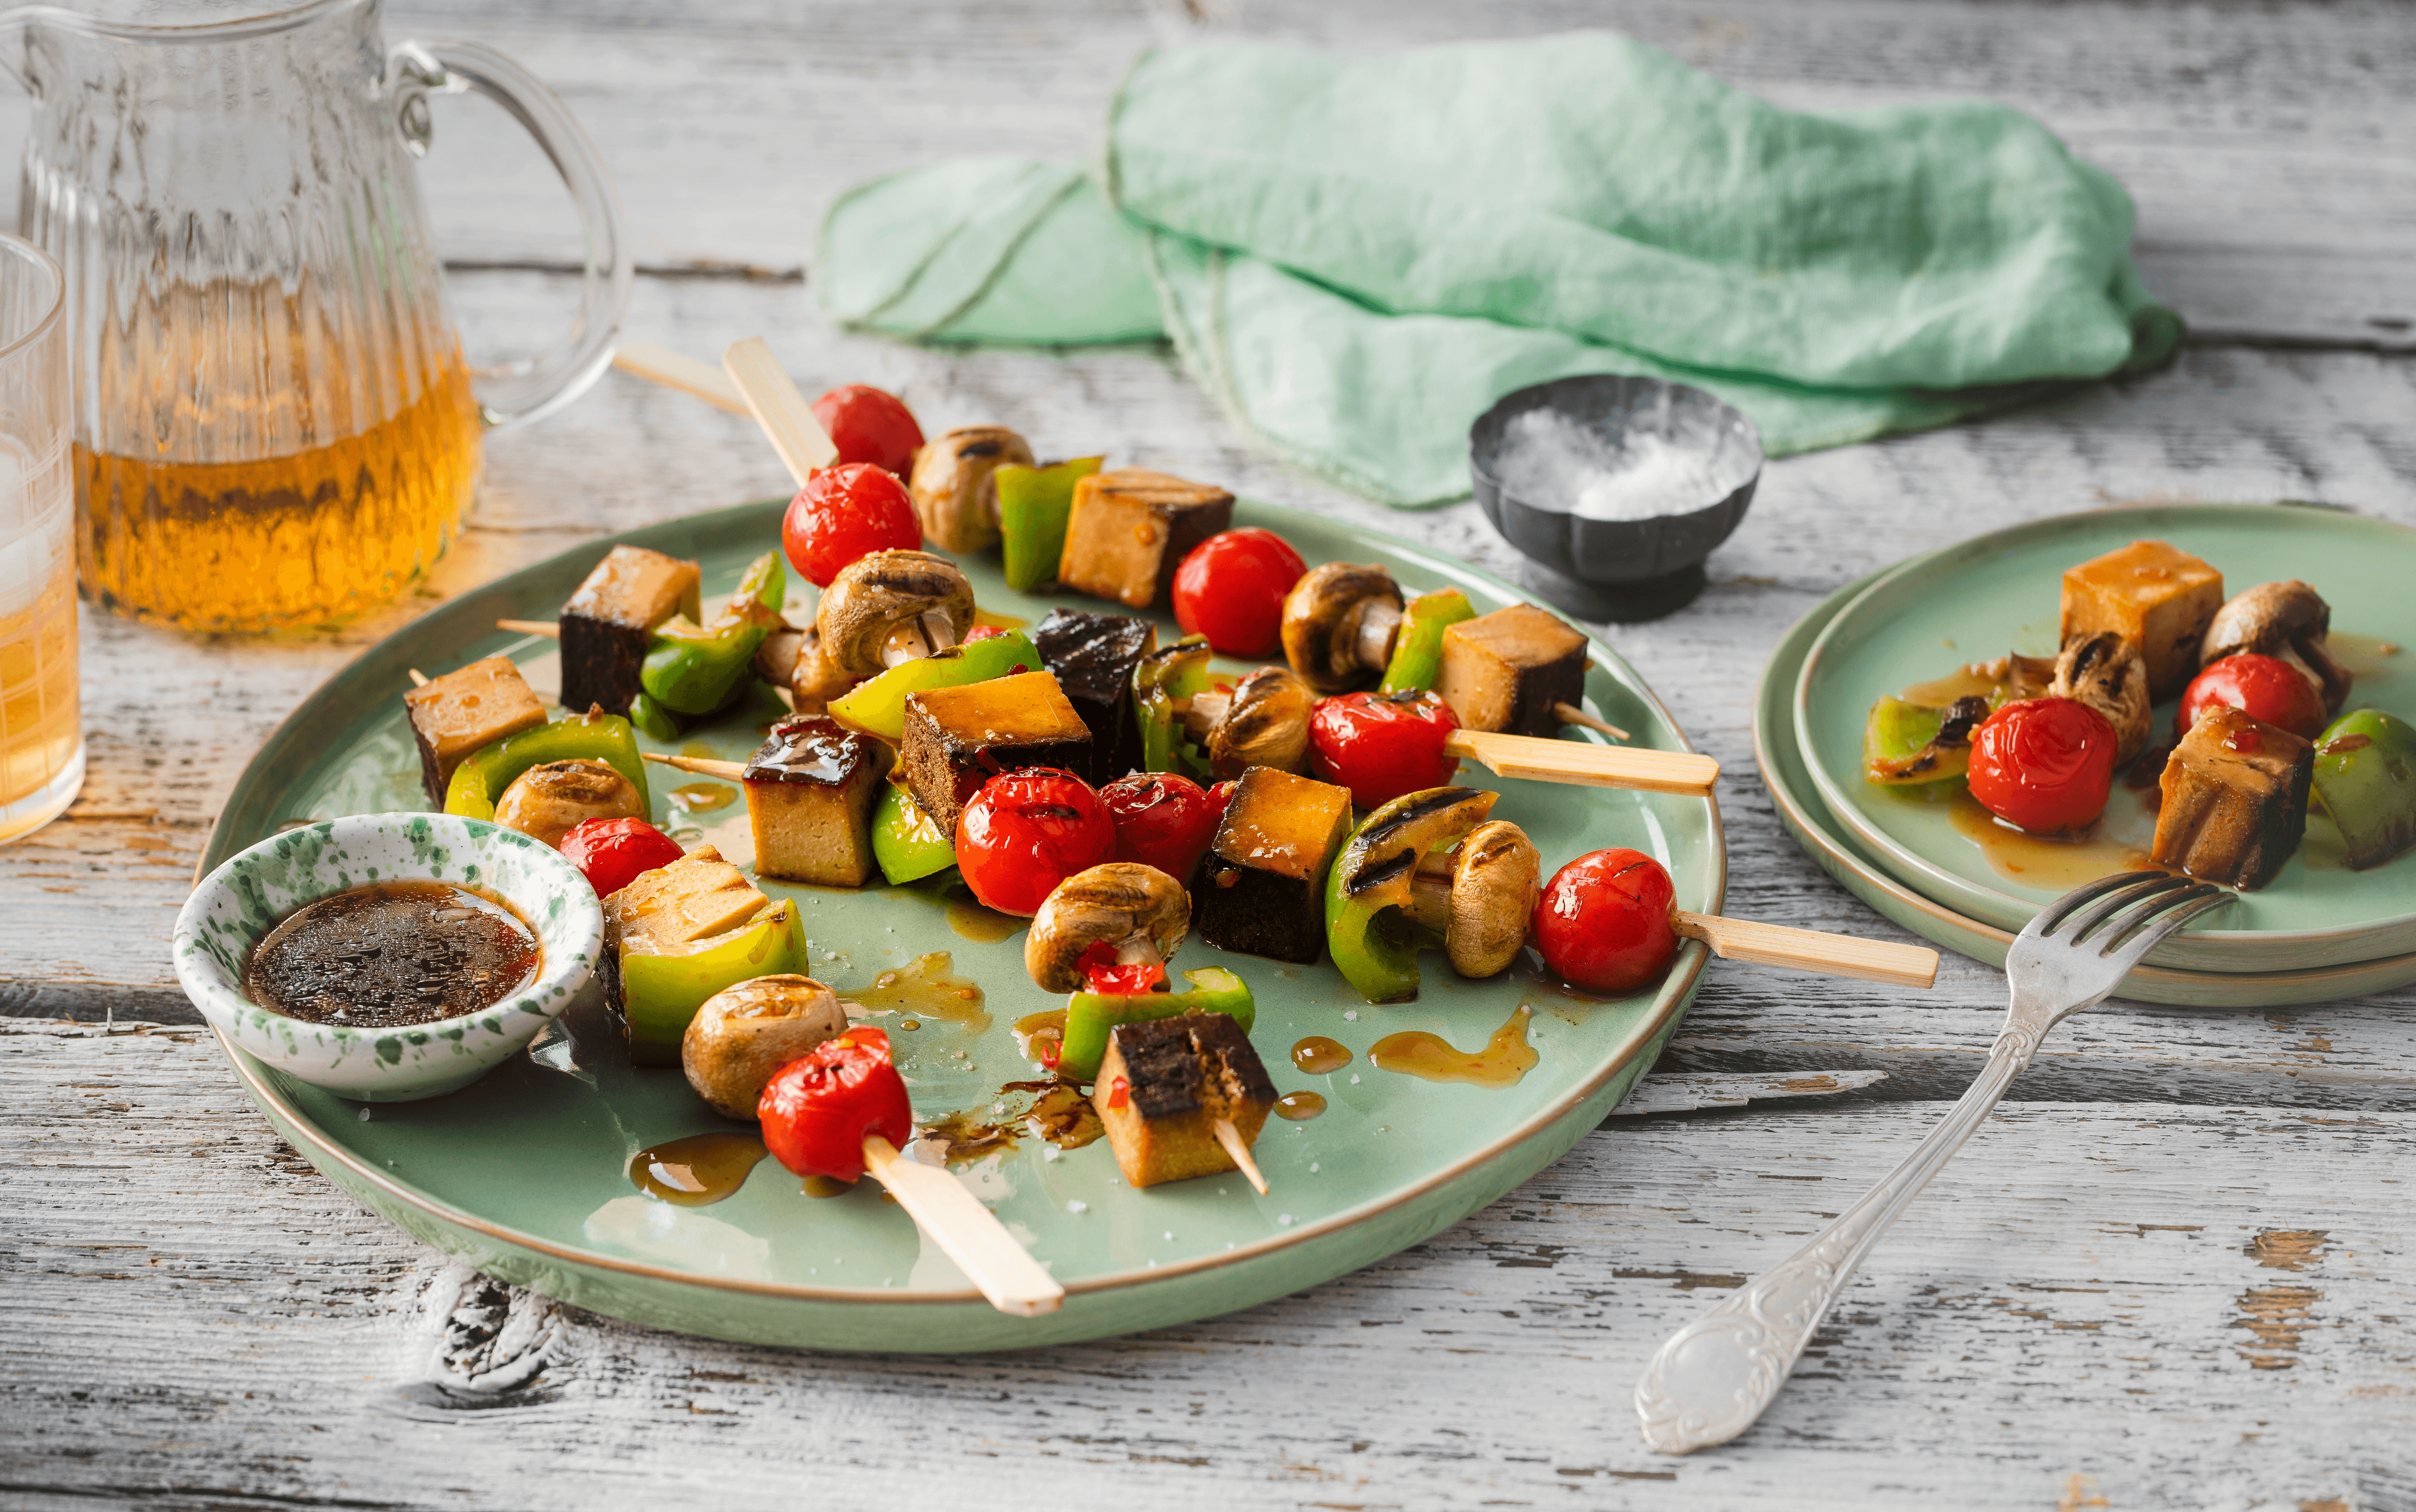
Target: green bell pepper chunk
{"x":1034,"y":505}
{"x":1091,"y":1016}
{"x":878,"y":705}
{"x":907,"y":842}
{"x":1901,"y":745}
{"x":662,"y":989}
{"x":1163,"y":683}
{"x":653,"y":721}
{"x":1376,"y":948}
{"x":482,"y":779}
{"x":1417,"y":651}
{"x":694,"y":668}
{"x":2365,"y":779}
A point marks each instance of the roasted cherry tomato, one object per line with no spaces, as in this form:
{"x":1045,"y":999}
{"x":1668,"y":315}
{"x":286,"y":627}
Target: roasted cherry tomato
{"x":1026,"y":832}
{"x":817,"y":1110}
{"x":1381,"y":745}
{"x":1162,"y":820}
{"x":2044,"y":764}
{"x":843,"y":513}
{"x":1231,"y":587}
{"x":1603,"y":923}
{"x":2265,"y":688}
{"x":983,"y":632}
{"x":610,"y":853}
{"x":869,"y":425}
{"x":1220,"y":798}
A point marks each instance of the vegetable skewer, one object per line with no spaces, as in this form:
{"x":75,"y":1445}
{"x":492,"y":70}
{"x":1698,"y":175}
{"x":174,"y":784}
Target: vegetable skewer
{"x":944,"y":1208}
{"x":778,"y":408}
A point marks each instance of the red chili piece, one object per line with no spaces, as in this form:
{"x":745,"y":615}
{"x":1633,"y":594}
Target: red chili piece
{"x":844,"y":513}
{"x":869,"y":425}
{"x":817,"y":1109}
{"x":1119,"y":1092}
{"x":1027,"y":830}
{"x":1231,"y":587}
{"x":1102,"y":974}
{"x":2044,"y":764}
{"x":2265,"y":688}
{"x":1162,"y":820}
{"x":1603,"y":923}
{"x":1381,"y":745}
{"x":982,"y":632}
{"x":610,"y":853}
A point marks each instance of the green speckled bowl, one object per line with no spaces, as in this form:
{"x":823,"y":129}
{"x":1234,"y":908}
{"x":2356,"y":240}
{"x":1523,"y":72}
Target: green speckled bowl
{"x":242,"y":901}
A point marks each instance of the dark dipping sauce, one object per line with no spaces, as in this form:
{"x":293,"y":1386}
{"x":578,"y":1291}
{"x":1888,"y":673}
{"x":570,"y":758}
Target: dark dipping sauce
{"x":392,"y":954}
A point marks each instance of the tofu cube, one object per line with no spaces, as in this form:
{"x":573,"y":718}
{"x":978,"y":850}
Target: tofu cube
{"x":453,"y":715}
{"x":1164,"y":1084}
{"x":607,"y":623}
{"x":2235,"y":800}
{"x":1262,"y":886}
{"x":958,"y":738}
{"x":1093,"y":657}
{"x":809,"y":793}
{"x":694,"y":898}
{"x":1506,"y":670}
{"x":1130,"y":529}
{"x":2158,"y":597}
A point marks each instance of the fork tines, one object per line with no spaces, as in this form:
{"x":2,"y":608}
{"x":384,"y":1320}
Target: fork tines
{"x":2141,"y":898}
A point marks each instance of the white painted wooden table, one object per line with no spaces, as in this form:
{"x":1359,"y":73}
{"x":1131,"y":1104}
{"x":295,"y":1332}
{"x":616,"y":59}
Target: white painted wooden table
{"x":2174,"y":1274}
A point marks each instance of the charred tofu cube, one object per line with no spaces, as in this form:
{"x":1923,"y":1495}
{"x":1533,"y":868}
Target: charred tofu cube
{"x":1163,"y":1085}
{"x":1262,"y":883}
{"x":958,"y":738}
{"x":810,"y":792}
{"x":2155,"y":595}
{"x":2235,"y":800}
{"x":454,"y":716}
{"x":1130,"y":529}
{"x":695,"y":898}
{"x":1093,"y":657}
{"x":607,"y":623}
{"x":1506,"y":670}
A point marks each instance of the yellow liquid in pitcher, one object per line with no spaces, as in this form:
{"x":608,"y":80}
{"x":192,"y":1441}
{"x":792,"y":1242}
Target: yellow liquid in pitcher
{"x":38,"y":726}
{"x":315,"y":538}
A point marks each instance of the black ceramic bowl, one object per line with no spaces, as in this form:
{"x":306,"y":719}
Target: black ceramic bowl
{"x":1620,"y":569}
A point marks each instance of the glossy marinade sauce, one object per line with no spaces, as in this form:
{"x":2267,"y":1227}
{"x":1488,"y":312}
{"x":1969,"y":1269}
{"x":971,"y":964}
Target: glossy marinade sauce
{"x":392,"y":954}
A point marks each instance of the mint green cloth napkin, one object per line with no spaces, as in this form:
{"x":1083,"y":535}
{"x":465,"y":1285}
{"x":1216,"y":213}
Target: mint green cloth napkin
{"x":1356,"y":256}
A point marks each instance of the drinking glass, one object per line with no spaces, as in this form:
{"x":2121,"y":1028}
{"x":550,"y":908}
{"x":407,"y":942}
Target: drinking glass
{"x":41,"y":729}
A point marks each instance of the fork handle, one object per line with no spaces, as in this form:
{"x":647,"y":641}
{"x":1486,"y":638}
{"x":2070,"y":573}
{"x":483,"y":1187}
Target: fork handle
{"x":1713,"y":1378}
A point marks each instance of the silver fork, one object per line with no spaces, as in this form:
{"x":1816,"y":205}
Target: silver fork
{"x":1713,"y":1378}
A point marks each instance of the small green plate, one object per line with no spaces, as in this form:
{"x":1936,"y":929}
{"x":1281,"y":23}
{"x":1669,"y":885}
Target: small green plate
{"x":1970,"y":602}
{"x":524,"y":1173}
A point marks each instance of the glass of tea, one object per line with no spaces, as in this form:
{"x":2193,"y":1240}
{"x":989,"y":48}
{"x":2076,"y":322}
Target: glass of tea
{"x":42,"y":730}
{"x":274,"y":425}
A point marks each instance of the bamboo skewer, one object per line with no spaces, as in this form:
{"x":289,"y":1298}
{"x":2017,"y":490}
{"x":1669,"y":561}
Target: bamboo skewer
{"x":678,"y":369}
{"x":778,"y":408}
{"x":550,"y":629}
{"x":703,"y":766}
{"x":1569,"y":714}
{"x":1238,"y":1149}
{"x":944,"y":1208}
{"x":419,"y":678}
{"x":1687,"y":774}
{"x":1808,"y":949}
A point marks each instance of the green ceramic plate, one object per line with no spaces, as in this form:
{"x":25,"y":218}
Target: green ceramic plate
{"x":1779,"y":756}
{"x":1925,"y":617}
{"x":524,"y":1173}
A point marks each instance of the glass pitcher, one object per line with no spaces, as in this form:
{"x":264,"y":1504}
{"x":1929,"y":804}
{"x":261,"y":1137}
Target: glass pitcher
{"x":273,"y":423}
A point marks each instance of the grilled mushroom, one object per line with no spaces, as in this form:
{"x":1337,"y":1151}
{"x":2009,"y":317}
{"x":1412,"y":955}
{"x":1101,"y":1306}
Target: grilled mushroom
{"x":956,"y":496}
{"x":743,"y":1034}
{"x":1263,"y":724}
{"x":544,"y":801}
{"x":1137,"y":911}
{"x":813,"y":679}
{"x":1339,"y":625}
{"x":1377,"y":895}
{"x":2288,"y":620}
{"x":892,"y":606}
{"x":2106,"y":672}
{"x":1496,"y":877}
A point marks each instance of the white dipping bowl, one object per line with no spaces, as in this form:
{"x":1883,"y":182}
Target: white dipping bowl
{"x":237,"y":905}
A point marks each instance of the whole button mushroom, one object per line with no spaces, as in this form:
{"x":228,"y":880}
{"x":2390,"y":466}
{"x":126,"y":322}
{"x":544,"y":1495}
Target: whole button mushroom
{"x":2288,"y":620}
{"x":1137,"y":913}
{"x":955,"y":488}
{"x":742,"y":1035}
{"x":1340,"y":622}
{"x":544,"y":801}
{"x":1496,"y":877}
{"x":892,"y":606}
{"x":2106,"y":672}
{"x":1375,"y":900}
{"x":1263,"y":724}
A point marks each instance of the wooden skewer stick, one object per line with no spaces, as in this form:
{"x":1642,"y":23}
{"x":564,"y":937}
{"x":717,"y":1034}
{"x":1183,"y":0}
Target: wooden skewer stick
{"x":970,"y":1233}
{"x":419,"y":678}
{"x":778,"y":408}
{"x":678,"y":369}
{"x":548,"y":628}
{"x":703,"y":766}
{"x":1238,"y":1149}
{"x":1808,"y":949}
{"x":1685,"y":773}
{"x":1569,"y":714}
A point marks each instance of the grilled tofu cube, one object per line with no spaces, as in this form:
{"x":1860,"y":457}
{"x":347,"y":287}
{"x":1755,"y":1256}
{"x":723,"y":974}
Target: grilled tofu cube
{"x":607,"y":623}
{"x":2155,"y":595}
{"x":1506,"y":670}
{"x":453,"y":715}
{"x":958,"y":738}
{"x":1093,"y":657}
{"x":809,"y":793}
{"x":1129,"y":529}
{"x":1164,"y":1084}
{"x":1262,"y":883}
{"x":2235,"y":800}
{"x":695,"y":898}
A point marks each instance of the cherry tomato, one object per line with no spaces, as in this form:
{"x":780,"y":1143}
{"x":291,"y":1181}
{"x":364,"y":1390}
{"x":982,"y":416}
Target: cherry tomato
{"x":2044,"y":764}
{"x":867,"y":425}
{"x":1220,"y":798}
{"x":1381,"y":745}
{"x":2265,"y":688}
{"x":610,"y":853}
{"x":1603,"y":923}
{"x":982,"y":632}
{"x":817,"y":1109}
{"x":1162,"y":820}
{"x":1231,"y":587}
{"x":1026,"y":832}
{"x":844,"y":513}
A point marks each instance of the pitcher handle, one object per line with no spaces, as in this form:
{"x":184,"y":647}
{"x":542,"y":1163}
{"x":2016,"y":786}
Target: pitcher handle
{"x":530,"y":388}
